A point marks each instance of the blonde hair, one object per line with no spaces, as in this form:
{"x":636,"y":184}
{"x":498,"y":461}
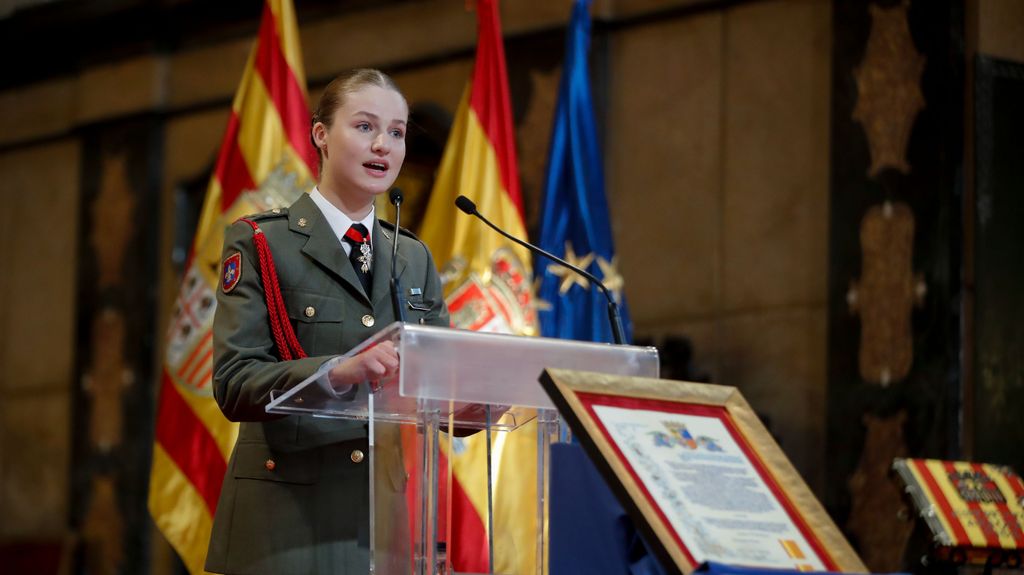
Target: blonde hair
{"x":337,"y":91}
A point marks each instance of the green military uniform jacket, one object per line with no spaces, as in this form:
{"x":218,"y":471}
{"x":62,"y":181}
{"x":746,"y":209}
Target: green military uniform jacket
{"x":294,"y":500}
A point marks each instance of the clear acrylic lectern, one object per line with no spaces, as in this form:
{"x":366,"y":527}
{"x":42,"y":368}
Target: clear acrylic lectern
{"x":449,"y":379}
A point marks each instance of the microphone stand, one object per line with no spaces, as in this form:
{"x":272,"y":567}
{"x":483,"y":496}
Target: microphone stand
{"x":614,"y":317}
{"x":396,"y":288}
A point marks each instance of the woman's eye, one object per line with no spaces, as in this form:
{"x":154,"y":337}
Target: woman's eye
{"x":363,"y":127}
{"x":396,"y":133}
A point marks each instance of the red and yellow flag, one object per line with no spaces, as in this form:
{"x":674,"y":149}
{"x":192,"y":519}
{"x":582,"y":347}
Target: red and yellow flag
{"x":970,"y":505}
{"x":266,"y":160}
{"x":488,"y":287}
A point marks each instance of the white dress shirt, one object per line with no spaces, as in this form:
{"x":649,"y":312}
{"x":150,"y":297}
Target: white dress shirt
{"x":339,"y":220}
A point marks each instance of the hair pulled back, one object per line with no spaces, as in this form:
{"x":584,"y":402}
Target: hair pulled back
{"x":337,"y":92}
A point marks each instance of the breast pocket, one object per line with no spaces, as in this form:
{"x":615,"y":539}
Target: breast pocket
{"x":317,"y":320}
{"x":418,"y":309}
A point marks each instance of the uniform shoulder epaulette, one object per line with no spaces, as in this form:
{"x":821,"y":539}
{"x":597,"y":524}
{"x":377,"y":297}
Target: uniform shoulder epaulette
{"x":274,"y":213}
{"x":391,"y":227}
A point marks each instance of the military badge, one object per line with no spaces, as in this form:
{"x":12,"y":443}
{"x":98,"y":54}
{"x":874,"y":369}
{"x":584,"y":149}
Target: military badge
{"x":231,"y":272}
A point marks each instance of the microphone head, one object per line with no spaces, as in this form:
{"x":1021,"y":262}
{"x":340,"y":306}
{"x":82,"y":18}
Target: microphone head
{"x":395,"y":195}
{"x":465,"y":204}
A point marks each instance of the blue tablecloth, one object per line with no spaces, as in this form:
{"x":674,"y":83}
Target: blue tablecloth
{"x":590,"y":533}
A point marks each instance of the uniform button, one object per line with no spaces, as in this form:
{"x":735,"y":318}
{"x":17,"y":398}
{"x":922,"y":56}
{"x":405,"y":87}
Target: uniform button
{"x":357,"y":456}
{"x":310,"y":311}
{"x":368,"y":320}
{"x":276,"y":211}
{"x":302,"y":222}
{"x":270,"y":465}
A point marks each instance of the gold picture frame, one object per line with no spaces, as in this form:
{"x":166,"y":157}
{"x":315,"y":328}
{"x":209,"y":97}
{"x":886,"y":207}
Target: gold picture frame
{"x":673,"y":479}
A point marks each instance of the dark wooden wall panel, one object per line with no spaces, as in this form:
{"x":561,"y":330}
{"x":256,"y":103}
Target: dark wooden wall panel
{"x":998,"y":346}
{"x":113,"y":406}
{"x":884,"y":301}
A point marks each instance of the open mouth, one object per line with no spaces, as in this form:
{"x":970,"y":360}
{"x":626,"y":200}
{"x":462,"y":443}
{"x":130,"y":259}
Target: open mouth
{"x":376,"y":167}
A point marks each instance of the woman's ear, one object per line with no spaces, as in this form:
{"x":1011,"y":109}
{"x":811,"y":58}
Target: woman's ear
{"x":320,"y":135}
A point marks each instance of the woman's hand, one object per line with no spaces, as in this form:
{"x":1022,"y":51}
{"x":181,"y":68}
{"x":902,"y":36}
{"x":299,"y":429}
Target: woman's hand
{"x":374,"y":364}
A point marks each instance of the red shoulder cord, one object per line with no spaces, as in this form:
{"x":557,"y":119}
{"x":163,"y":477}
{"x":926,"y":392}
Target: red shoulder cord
{"x":284,"y":336}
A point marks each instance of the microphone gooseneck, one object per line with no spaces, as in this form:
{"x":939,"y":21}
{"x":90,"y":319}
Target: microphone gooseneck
{"x":467,"y":206}
{"x":395,"y":195}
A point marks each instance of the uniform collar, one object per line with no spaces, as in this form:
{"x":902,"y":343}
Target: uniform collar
{"x":306,"y":218}
{"x":339,"y":220}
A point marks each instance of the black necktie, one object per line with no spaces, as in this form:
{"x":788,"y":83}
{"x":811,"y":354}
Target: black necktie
{"x":360,"y":255}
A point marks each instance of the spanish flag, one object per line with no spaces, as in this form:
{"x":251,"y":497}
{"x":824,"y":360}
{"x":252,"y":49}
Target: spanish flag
{"x":488,"y":287}
{"x":266,"y":160}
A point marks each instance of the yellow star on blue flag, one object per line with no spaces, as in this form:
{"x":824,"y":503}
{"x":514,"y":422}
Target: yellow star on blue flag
{"x":570,"y":278}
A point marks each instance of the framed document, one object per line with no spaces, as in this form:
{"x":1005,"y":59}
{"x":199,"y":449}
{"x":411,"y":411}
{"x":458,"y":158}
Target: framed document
{"x":698,"y":473}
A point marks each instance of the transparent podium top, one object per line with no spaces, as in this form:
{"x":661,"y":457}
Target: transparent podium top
{"x":456,"y":372}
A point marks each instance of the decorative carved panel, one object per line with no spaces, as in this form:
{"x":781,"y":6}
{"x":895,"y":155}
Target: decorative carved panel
{"x":898,"y":351}
{"x":103,"y":528}
{"x":878,"y":518}
{"x":888,"y":88}
{"x":886,"y":293}
{"x":106,"y":380}
{"x":115,"y":208}
{"x":113,"y":403}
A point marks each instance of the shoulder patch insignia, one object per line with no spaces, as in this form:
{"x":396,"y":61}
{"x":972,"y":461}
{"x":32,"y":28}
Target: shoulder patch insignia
{"x":231,"y":272}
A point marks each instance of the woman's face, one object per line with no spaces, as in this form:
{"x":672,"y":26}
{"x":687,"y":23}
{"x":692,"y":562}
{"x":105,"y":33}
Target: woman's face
{"x":365,"y":145}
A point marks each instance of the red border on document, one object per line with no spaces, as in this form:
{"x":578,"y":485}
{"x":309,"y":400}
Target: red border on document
{"x":589,"y":400}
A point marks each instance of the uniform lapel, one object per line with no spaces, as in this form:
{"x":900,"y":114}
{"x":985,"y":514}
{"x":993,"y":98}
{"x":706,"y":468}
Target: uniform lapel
{"x":383,"y":243}
{"x":323,"y":246}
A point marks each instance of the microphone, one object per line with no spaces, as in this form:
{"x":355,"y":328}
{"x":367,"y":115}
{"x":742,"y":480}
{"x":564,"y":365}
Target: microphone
{"x":395,"y":195}
{"x":468,"y":207}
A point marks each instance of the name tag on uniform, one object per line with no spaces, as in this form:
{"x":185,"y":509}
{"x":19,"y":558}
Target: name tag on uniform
{"x":415,"y":291}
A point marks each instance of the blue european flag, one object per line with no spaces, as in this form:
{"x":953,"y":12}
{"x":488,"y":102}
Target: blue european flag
{"x":589,"y":530}
{"x":574,"y":216}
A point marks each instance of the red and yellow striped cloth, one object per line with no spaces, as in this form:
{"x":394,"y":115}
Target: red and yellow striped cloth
{"x":265,"y":160}
{"x":488,"y":287}
{"x":973,"y":505}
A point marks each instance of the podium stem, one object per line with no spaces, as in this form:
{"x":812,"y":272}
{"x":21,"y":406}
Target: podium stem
{"x":490,"y":496}
{"x":372,"y":457}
